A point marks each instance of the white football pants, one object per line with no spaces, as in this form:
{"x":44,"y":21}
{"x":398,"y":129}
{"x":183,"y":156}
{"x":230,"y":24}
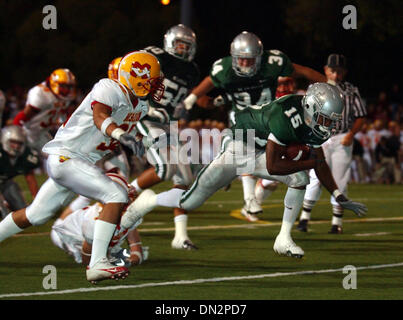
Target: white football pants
{"x":234,"y":159}
{"x":68,"y":178}
{"x":339,"y":158}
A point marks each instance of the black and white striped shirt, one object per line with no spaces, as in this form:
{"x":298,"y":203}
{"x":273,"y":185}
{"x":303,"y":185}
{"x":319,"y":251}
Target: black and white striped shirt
{"x":354,"y":107}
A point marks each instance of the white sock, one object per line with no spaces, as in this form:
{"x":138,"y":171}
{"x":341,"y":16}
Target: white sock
{"x":103,"y":232}
{"x":8,"y":227}
{"x":337,"y":218}
{"x":135,"y":184}
{"x":248,"y":184}
{"x":292,"y":206}
{"x":307,"y":209}
{"x":170,"y":198}
{"x":181,"y":223}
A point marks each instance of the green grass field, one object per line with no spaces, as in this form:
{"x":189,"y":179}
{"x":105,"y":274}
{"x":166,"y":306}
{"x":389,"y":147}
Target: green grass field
{"x":236,"y":260}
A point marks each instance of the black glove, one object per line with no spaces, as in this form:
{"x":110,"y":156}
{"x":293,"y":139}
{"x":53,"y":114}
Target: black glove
{"x":180,"y":111}
{"x":161,"y":141}
{"x":136,"y":145}
{"x":359,"y":209}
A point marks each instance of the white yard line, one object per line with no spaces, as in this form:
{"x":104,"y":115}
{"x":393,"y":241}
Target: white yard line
{"x":238,"y":226}
{"x":195,"y":281}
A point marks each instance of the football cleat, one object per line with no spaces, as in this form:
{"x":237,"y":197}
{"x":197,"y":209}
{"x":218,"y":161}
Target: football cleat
{"x":144,"y":203}
{"x":184,"y":244}
{"x":336,"y":229}
{"x":251,"y":209}
{"x":303,"y":225}
{"x":286,"y":246}
{"x":104,"y":270}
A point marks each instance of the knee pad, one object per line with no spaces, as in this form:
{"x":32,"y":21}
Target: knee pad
{"x":299,"y":179}
{"x":116,"y":194}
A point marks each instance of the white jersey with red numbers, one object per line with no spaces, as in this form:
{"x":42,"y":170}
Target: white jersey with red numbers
{"x":79,"y":137}
{"x":79,"y":226}
{"x":50,"y":109}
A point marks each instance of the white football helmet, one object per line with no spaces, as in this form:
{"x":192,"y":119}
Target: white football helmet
{"x":180,"y":41}
{"x":13,"y":140}
{"x":323,"y":107}
{"x":246,"y":45}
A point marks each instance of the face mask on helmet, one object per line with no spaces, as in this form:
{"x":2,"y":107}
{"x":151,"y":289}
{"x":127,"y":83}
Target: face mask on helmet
{"x":323,"y":109}
{"x":113,"y":68}
{"x":13,"y":140}
{"x":140,"y":72}
{"x":180,"y":41}
{"x":62,"y":82}
{"x":246,"y":52}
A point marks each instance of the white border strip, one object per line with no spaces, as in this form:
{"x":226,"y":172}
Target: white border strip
{"x":186,"y":282}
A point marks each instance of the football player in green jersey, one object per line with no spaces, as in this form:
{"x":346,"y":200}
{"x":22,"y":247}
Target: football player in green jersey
{"x":257,"y":145}
{"x":249,"y":78}
{"x":181,"y":75}
{"x":16,"y":159}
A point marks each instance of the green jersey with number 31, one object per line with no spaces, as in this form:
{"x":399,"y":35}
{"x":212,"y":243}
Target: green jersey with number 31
{"x":259,"y":89}
{"x":284,"y":118}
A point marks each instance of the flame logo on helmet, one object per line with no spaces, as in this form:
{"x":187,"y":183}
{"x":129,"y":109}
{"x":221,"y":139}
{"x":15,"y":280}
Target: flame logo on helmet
{"x":140,"y":70}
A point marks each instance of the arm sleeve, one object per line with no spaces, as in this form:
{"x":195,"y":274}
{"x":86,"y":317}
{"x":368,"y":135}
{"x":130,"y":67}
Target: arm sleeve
{"x":37,"y":98}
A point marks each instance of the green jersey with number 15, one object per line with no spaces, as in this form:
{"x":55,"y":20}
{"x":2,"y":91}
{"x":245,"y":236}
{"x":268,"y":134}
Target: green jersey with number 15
{"x":259,"y":89}
{"x":284,"y":118}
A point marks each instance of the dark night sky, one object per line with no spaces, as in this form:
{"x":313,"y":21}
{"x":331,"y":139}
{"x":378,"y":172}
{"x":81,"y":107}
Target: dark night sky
{"x":91,"y":33}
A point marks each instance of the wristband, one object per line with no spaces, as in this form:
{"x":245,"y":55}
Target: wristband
{"x":117,"y":133}
{"x":190,"y":101}
{"x":105,"y":125}
{"x":336,"y":193}
{"x":139,"y":255}
{"x":85,"y":254}
{"x":135,"y":244}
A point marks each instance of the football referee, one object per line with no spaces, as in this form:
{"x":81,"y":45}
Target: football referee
{"x":338,"y":149}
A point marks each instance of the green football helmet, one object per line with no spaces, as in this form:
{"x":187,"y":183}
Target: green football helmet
{"x":323,"y":108}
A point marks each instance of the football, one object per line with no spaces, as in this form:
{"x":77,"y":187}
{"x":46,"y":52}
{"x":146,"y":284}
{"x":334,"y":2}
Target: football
{"x":297,"y":151}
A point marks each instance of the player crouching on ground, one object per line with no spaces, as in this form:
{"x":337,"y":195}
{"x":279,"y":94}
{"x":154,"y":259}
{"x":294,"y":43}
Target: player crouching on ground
{"x":74,"y":233}
{"x":291,"y":119}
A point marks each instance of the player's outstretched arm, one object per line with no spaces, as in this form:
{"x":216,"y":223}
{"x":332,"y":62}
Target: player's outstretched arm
{"x":86,"y":250}
{"x":308,"y":73}
{"x":25,"y":115}
{"x":325,"y":176}
{"x":32,"y":183}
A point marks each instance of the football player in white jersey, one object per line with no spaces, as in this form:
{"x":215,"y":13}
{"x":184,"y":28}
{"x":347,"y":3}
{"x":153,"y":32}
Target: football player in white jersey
{"x":47,"y":104}
{"x":118,"y":160}
{"x":74,"y":233}
{"x":107,"y":116}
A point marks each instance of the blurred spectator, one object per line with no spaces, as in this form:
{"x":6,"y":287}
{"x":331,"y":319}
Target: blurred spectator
{"x":364,"y":140}
{"x":387,"y":157}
